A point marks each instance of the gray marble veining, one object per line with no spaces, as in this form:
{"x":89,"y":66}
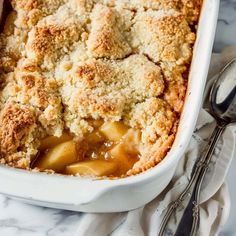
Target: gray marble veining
{"x":20,"y":219}
{"x":226,"y":28}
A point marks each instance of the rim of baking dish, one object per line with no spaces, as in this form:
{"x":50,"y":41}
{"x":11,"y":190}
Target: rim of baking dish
{"x":179,"y":146}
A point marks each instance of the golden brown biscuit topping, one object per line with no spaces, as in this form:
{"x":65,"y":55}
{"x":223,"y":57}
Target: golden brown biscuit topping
{"x":15,"y":123}
{"x":107,"y":35}
{"x":82,"y":69}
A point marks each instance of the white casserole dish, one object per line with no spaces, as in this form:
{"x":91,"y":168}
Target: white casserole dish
{"x":87,"y":195}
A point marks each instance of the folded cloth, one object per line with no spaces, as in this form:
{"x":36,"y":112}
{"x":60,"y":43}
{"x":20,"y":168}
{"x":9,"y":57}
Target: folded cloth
{"x":215,"y":200}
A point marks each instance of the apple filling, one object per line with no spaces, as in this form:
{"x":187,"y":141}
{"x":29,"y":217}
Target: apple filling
{"x":110,"y":150}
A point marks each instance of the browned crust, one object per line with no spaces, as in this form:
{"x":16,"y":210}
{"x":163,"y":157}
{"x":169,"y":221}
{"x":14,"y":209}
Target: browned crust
{"x":189,"y":8}
{"x":15,"y":123}
{"x":64,"y":63}
{"x":106,"y":39}
{"x":153,"y":157}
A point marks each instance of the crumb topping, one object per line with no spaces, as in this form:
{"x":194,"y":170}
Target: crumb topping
{"x":65,"y":63}
{"x":108,"y":89}
{"x":17,"y":123}
{"x":107,"y":33}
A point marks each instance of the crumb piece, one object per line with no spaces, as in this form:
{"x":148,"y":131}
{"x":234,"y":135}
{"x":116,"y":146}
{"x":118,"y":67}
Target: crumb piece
{"x":16,"y":124}
{"x":107,"y":35}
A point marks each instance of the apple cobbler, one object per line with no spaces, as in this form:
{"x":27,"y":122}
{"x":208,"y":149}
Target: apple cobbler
{"x":93,"y":87}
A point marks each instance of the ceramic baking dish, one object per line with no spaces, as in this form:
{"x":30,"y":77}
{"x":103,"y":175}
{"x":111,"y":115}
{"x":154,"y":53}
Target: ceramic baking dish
{"x":88,"y":195}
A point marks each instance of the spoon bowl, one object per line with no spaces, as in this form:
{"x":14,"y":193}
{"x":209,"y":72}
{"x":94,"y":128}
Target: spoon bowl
{"x":222,"y":100}
{"x":223,"y":95}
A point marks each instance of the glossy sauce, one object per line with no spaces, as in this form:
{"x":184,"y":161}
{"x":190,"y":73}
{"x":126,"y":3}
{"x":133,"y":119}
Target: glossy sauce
{"x":91,"y":149}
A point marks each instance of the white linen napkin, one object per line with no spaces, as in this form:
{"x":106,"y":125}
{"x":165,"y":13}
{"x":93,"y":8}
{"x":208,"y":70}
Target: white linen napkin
{"x":215,"y":200}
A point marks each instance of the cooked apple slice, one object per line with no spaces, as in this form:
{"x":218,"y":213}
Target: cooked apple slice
{"x":132,"y":139}
{"x":95,"y":137}
{"x":58,"y":157}
{"x":113,"y":131}
{"x":119,"y":152}
{"x":92,"y":168}
{"x":123,"y":157}
{"x":52,"y":141}
{"x":97,"y":123}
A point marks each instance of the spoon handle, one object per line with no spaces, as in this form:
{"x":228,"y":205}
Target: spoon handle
{"x":193,"y":191}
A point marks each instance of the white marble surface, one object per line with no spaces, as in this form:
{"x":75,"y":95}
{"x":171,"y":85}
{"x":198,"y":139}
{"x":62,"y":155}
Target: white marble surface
{"x":226,"y":28}
{"x":24,"y":220}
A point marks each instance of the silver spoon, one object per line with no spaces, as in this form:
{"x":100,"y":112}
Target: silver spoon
{"x":222,"y":101}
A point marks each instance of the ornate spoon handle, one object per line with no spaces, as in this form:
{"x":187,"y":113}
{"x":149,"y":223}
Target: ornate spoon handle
{"x":193,"y":190}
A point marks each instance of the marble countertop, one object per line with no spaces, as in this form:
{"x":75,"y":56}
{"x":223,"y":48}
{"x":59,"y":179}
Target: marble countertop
{"x":25,"y":220}
{"x":226,"y":28}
